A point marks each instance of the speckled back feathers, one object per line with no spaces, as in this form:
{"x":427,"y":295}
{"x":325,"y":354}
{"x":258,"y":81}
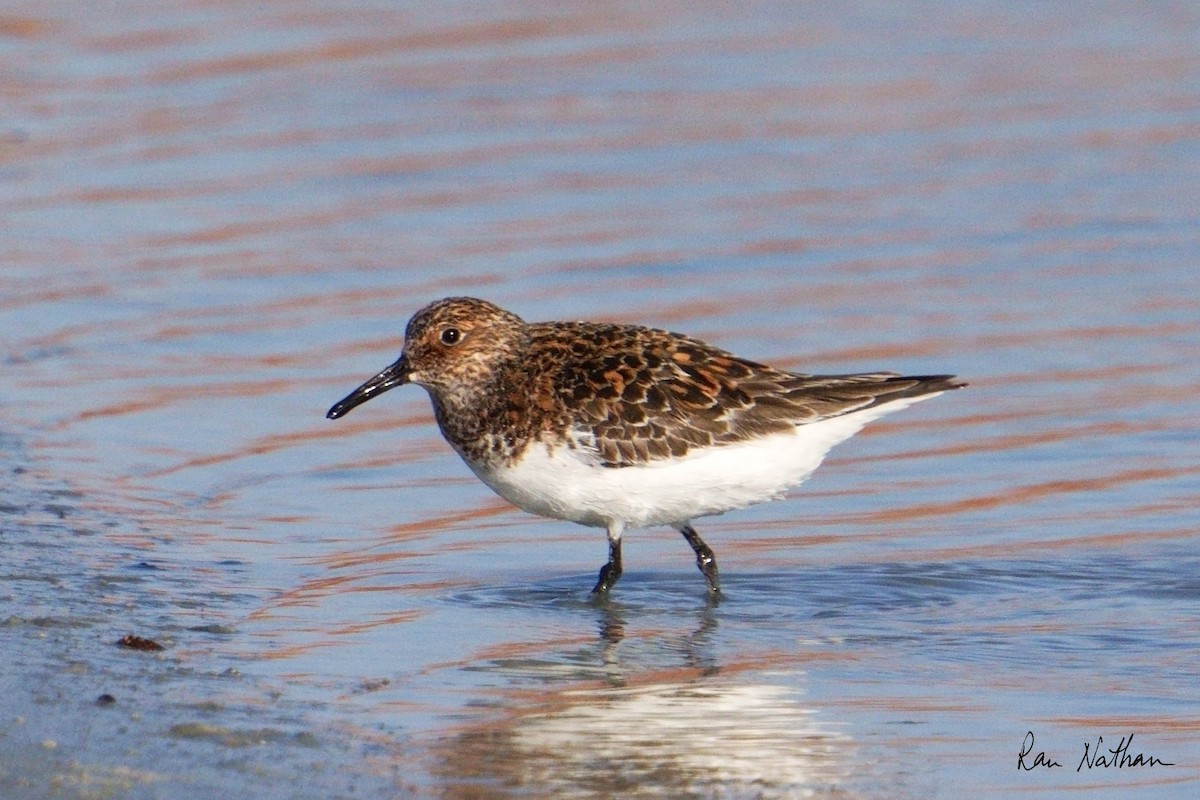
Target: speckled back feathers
{"x":621,"y":395}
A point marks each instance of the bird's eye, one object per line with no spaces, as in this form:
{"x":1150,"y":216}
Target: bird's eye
{"x":451,"y":336}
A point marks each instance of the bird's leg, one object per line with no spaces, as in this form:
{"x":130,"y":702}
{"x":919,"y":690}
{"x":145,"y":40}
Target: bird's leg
{"x":611,"y":571}
{"x":705,"y":559}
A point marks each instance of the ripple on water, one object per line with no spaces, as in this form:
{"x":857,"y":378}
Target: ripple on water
{"x":976,"y":612}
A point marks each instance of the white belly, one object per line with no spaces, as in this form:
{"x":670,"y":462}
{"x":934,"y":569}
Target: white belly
{"x":561,"y":483}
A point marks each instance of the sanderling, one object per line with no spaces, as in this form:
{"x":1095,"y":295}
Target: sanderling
{"x":622,"y":426}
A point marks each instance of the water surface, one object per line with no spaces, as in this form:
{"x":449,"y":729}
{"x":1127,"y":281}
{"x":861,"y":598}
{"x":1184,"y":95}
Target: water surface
{"x":217,"y":218}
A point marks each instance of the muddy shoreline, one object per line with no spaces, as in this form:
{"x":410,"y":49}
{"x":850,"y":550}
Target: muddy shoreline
{"x":84,"y":717}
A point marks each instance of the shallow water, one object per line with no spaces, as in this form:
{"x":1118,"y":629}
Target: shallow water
{"x":217,"y":218}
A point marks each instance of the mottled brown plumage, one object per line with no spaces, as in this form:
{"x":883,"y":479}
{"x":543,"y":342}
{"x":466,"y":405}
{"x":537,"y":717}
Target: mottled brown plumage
{"x":628,"y":394}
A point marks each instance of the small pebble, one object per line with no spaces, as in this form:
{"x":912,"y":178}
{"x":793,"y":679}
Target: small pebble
{"x":139,"y":643}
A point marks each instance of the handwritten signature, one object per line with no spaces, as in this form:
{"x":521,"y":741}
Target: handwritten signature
{"x":1117,"y":757}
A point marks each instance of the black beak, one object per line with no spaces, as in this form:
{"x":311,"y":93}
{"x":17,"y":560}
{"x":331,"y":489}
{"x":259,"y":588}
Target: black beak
{"x":395,"y":375}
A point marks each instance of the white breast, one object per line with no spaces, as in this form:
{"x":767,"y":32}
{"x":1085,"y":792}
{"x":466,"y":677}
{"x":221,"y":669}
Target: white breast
{"x":559,"y":482}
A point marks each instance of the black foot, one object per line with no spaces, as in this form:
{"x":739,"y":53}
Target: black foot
{"x":705,"y":559}
{"x":610,"y":572}
{"x":608,"y":576}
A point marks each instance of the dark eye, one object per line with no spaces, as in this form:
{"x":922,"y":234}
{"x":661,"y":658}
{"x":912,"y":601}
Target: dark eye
{"x":451,"y":336}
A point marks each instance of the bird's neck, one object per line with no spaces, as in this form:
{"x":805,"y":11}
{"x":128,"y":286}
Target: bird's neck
{"x":492,"y":422}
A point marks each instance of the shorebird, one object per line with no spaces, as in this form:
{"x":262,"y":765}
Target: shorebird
{"x":623,"y":426}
